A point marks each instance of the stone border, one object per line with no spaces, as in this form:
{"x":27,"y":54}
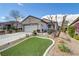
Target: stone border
{"x":48,"y":49}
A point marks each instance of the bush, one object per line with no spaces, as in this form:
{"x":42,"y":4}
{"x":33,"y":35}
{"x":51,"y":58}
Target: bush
{"x":60,"y":41}
{"x":49,"y":31}
{"x":13,"y":28}
{"x":71,"y":31}
{"x":76,"y":37}
{"x":4,"y":28}
{"x":34,"y":32}
{"x":63,"y":48}
{"x":38,"y":30}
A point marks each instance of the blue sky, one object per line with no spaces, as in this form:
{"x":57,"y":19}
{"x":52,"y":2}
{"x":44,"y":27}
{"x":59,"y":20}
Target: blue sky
{"x":38,"y":10}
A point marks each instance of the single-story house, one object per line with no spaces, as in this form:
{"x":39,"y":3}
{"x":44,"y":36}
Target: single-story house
{"x":32,"y":23}
{"x":75,"y":23}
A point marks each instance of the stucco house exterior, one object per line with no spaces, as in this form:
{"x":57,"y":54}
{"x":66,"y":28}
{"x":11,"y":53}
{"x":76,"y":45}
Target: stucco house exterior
{"x":32,"y":23}
{"x":75,"y":23}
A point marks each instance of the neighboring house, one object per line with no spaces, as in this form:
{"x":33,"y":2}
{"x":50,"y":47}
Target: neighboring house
{"x":75,"y":23}
{"x":6,"y":25}
{"x":32,"y":23}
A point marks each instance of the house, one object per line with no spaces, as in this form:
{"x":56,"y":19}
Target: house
{"x":75,"y":23}
{"x":9,"y":26}
{"x":32,"y":23}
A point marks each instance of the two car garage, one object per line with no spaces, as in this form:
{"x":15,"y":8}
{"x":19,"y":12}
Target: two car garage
{"x":30,"y":28}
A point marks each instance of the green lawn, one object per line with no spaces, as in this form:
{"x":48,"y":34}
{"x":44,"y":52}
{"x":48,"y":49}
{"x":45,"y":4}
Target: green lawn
{"x":32,"y":47}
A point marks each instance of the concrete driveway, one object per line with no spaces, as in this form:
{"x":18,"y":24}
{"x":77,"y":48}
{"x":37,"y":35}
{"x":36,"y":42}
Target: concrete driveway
{"x":4,"y":39}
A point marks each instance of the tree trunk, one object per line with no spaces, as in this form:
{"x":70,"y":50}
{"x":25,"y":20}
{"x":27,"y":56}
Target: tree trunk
{"x":62,"y":26}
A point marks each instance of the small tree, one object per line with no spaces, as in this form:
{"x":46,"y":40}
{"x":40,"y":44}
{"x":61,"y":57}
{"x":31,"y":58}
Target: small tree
{"x":62,"y":25}
{"x":15,"y":14}
{"x":50,"y":31}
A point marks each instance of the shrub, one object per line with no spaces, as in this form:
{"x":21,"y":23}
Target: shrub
{"x":76,"y":37}
{"x":13,"y":28}
{"x":71,"y":31}
{"x":4,"y":28}
{"x":38,"y":30}
{"x":49,"y":31}
{"x":63,"y":48}
{"x":27,"y":35}
{"x":34,"y":32}
{"x":60,"y":41}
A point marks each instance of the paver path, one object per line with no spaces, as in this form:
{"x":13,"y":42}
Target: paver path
{"x":73,"y":44}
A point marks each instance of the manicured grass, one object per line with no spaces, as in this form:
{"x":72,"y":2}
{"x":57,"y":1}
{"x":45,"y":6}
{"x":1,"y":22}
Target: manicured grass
{"x":32,"y":47}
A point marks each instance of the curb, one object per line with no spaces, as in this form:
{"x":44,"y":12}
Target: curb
{"x":47,"y":50}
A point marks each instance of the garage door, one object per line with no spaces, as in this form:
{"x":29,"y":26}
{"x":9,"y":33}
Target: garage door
{"x":30,"y":28}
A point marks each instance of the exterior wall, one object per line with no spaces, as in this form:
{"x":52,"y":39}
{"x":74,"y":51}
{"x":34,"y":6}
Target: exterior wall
{"x":54,"y":26}
{"x":76,"y":25}
{"x":44,"y":26}
{"x":31,"y":20}
{"x":39,"y":26}
{"x":18,"y":25}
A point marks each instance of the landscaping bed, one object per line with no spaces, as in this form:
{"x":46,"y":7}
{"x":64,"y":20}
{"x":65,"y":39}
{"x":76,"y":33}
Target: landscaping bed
{"x":64,"y":46}
{"x":31,"y":47}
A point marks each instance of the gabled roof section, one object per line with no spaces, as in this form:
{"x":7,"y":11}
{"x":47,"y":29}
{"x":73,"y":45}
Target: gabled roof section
{"x":34,"y":17}
{"x":31,"y":16}
{"x":75,"y":21}
{"x":46,"y":20}
{"x":9,"y":22}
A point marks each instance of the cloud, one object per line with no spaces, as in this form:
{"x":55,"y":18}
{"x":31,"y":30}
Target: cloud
{"x":3,"y":17}
{"x":20,"y":4}
{"x":69,"y":18}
